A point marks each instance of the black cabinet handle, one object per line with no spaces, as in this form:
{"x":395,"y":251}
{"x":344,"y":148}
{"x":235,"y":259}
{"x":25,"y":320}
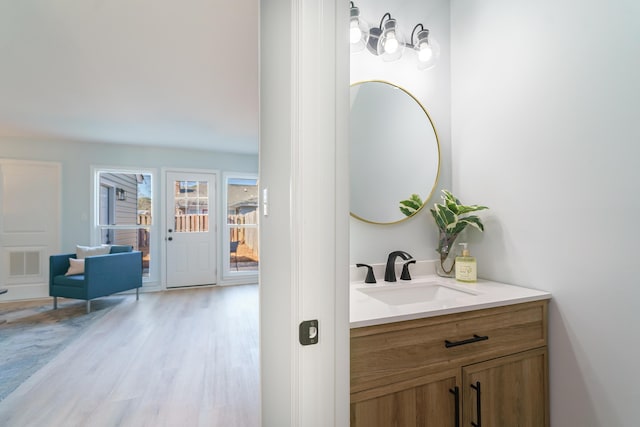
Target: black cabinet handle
{"x":476,"y":387}
{"x":475,"y":338}
{"x":456,"y":397}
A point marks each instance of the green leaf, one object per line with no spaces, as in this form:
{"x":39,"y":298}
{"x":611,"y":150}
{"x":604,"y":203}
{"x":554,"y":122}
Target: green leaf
{"x":447,"y":195}
{"x":449,"y":216}
{"x":466,"y":209}
{"x":445,"y":218}
{"x":460,"y":225}
{"x":474,"y":221}
{"x":416,"y":198}
{"x":411,"y":205}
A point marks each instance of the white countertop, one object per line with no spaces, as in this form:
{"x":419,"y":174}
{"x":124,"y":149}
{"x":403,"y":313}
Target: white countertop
{"x":367,"y":307}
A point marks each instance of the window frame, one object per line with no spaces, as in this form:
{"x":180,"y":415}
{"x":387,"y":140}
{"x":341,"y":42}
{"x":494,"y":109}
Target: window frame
{"x":228,"y":273}
{"x":96,"y":228}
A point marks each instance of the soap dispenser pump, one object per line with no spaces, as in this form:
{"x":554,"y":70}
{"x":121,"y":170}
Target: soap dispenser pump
{"x":466,"y":266}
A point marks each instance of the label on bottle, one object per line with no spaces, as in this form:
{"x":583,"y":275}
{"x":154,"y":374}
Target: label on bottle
{"x":466,"y":271}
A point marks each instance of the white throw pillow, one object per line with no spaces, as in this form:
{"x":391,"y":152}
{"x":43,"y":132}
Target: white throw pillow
{"x":76,"y":266}
{"x":84,"y":251}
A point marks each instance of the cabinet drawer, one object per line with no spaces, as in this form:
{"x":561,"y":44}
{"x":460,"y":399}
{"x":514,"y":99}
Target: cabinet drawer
{"x":394,"y":352}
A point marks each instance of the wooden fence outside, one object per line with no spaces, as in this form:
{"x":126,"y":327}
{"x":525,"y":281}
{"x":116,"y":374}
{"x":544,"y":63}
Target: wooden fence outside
{"x":192,"y":223}
{"x":248,"y":235}
{"x":144,"y":219}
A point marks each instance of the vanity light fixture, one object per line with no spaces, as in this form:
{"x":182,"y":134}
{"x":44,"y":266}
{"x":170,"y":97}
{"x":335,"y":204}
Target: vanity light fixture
{"x":387,"y":42}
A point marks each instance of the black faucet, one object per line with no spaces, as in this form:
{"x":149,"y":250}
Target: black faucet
{"x":390,"y":271}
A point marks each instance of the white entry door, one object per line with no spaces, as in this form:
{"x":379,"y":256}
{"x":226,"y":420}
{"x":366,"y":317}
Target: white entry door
{"x":190,"y":234}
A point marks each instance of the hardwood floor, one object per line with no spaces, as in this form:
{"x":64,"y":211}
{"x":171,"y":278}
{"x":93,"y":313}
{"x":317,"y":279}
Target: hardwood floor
{"x":186,"y":357}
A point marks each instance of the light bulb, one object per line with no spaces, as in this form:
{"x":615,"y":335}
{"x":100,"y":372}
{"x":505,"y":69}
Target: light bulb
{"x":355,"y":34}
{"x":427,"y":50}
{"x":391,"y":43}
{"x":425,"y":53}
{"x":357,"y":31}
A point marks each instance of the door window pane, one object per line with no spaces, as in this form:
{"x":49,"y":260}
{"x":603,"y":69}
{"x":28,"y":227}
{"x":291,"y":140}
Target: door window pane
{"x":191,"y":206}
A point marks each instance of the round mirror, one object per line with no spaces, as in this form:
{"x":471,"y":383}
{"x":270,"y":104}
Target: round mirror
{"x":394,"y":152}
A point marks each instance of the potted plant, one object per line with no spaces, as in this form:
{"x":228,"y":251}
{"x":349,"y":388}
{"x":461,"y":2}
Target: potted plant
{"x":451,"y":218}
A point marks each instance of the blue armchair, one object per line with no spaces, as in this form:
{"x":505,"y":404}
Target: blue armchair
{"x":120,"y":270}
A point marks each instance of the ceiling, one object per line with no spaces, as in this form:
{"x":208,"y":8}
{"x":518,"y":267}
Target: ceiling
{"x":151,"y":72}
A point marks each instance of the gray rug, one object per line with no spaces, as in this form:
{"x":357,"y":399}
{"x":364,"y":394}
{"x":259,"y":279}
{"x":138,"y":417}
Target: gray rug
{"x":32,"y":333}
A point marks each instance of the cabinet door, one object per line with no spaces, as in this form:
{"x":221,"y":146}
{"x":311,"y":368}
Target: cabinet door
{"x":510,"y":391}
{"x":429,"y":404}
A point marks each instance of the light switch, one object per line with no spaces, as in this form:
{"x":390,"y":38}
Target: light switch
{"x":265,"y":202}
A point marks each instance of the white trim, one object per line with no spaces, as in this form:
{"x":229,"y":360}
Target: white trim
{"x":296,"y":215}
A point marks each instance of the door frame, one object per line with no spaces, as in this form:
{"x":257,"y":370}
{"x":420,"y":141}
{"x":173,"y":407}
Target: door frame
{"x":304,"y":110}
{"x":164,"y":221}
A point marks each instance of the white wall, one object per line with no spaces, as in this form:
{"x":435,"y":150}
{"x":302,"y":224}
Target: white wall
{"x":545,"y":101}
{"x":371,"y":243}
{"x":77,"y":158}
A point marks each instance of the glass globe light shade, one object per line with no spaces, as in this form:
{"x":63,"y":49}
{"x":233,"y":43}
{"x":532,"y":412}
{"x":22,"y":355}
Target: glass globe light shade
{"x":391,"y":43}
{"x":358,"y":32}
{"x":427,"y":50}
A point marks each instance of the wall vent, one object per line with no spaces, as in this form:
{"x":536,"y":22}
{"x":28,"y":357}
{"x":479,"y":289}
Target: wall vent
{"x":25,"y":263}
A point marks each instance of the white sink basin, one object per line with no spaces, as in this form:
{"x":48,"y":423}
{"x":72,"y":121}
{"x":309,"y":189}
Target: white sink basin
{"x":411,"y":293}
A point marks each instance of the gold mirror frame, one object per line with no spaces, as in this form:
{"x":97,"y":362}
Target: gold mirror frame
{"x":379,"y":141}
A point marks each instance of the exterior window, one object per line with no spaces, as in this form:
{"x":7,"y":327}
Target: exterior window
{"x":242,"y":225}
{"x":124,"y":211}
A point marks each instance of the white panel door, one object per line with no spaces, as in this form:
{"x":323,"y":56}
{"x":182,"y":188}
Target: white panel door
{"x":191,"y":229}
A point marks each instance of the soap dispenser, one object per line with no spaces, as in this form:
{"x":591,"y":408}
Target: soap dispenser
{"x":466,"y":267}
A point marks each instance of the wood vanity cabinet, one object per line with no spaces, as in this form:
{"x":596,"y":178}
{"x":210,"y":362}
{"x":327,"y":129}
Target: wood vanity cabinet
{"x":438,"y":371}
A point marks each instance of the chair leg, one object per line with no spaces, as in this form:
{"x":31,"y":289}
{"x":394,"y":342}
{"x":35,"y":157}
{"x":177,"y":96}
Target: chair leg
{"x":137,"y":294}
{"x":88,"y":306}
{"x":55,"y":303}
